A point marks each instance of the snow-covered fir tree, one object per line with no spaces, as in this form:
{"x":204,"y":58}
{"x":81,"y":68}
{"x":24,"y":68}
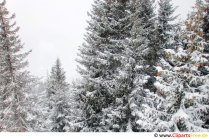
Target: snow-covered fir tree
{"x":12,"y":63}
{"x":57,"y":89}
{"x":153,"y":96}
{"x":182,"y":83}
{"x":101,"y":58}
{"x":37,"y":106}
{"x":166,"y":37}
{"x":206,"y":28}
{"x":77,"y":105}
{"x":168,"y":85}
{"x":195,"y":80}
{"x":165,"y":23}
{"x":145,"y":10}
{"x":132,"y":69}
{"x":137,"y":48}
{"x":142,"y":56}
{"x":206,"y":22}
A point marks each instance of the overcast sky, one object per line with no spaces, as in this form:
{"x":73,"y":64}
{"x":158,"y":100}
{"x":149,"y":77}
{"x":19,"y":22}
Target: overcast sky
{"x":55,"y":28}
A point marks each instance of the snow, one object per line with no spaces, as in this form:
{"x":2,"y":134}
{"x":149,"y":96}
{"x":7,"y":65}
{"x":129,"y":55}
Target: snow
{"x":170,"y":51}
{"x":159,"y":69}
{"x":196,"y":57}
{"x":138,"y":68}
{"x":180,"y":115}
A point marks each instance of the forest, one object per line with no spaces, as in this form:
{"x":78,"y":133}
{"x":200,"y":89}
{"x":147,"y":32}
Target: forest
{"x":142,"y":71}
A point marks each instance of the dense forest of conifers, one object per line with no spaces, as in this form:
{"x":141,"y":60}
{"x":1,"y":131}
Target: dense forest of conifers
{"x":142,"y":71}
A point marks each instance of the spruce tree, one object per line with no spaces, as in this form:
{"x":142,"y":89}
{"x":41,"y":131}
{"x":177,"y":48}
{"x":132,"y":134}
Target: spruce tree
{"x":167,"y":36}
{"x":196,"y":83}
{"x":165,"y":26}
{"x":206,"y":22}
{"x":36,"y":106}
{"x":143,"y":39}
{"x":58,"y":93}
{"x":144,"y":10}
{"x":77,"y":105}
{"x":206,"y":29}
{"x":101,"y":58}
{"x":182,"y":83}
{"x":141,"y":56}
{"x":133,"y":70}
{"x":12,"y":64}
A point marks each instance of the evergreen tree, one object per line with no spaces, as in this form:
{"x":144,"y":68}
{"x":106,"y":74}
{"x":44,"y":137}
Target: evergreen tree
{"x":182,"y":84}
{"x":206,"y":22}
{"x":143,"y":42}
{"x":101,"y":58}
{"x":166,"y":37}
{"x":144,"y":11}
{"x":206,"y":37}
{"x":37,"y":106}
{"x":165,"y":26}
{"x":12,"y":63}
{"x":58,"y":93}
{"x":77,"y":105}
{"x":133,"y":66}
{"x":196,"y":83}
{"x":138,"y":70}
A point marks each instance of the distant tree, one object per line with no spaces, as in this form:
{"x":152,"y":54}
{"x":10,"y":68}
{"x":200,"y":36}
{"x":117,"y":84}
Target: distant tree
{"x":36,"y":105}
{"x":57,"y":89}
{"x":77,"y":104}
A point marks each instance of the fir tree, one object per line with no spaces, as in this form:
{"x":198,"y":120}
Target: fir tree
{"x":57,"y":93}
{"x":141,"y":56}
{"x":12,"y":63}
{"x":184,"y":87}
{"x":133,"y":70}
{"x":101,"y":57}
{"x":145,"y":11}
{"x":196,"y":88}
{"x":165,"y":26}
{"x":206,"y":30}
{"x":36,"y":106}
{"x":77,"y":105}
{"x":206,"y":22}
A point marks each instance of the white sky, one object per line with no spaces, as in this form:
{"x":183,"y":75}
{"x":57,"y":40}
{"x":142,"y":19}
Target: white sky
{"x":55,"y":28}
